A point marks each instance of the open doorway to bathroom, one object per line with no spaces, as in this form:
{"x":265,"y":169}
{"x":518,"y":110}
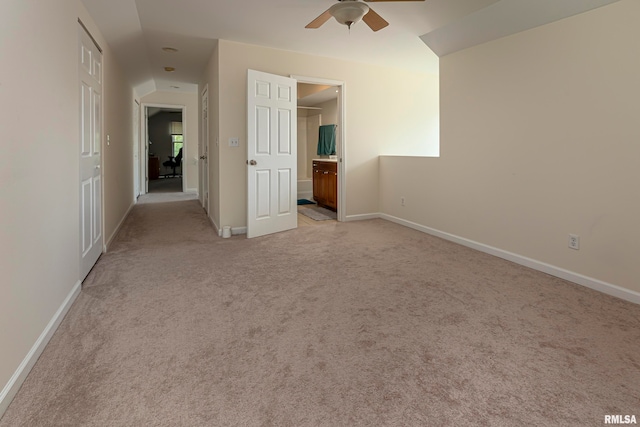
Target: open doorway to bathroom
{"x":320,"y":110}
{"x":165,"y":143}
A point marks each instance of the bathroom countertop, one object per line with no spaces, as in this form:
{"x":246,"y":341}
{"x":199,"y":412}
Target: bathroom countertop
{"x":325,"y":160}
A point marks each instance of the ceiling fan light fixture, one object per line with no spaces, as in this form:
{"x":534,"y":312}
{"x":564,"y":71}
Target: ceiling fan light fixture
{"x":349,"y":12}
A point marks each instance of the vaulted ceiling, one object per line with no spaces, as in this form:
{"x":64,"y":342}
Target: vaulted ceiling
{"x":418,"y":32}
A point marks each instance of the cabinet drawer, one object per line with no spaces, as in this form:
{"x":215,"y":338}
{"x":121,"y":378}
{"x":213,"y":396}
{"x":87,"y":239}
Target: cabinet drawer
{"x":326,"y":166}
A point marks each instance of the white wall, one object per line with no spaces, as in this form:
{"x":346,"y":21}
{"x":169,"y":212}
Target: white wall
{"x":313,"y":134}
{"x":191,"y":130}
{"x":39,"y":171}
{"x":369,"y":129}
{"x":540,"y":139}
{"x":304,"y":171}
{"x":419,"y":114}
{"x":329,"y":116}
{"x":117,"y":156}
{"x":211,"y":80}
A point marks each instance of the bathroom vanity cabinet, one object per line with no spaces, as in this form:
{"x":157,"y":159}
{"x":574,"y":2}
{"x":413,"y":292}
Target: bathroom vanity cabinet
{"x":325,"y":183}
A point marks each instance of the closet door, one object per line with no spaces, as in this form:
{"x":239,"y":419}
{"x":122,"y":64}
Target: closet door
{"x":90,"y":152}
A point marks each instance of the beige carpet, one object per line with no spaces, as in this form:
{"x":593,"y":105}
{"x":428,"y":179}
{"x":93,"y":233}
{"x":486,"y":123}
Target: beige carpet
{"x":344,"y":324}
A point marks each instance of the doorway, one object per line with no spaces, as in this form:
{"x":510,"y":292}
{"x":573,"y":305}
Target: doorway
{"x":320,"y":102}
{"x":136,"y":150}
{"x":204,"y":150}
{"x":165,"y":148}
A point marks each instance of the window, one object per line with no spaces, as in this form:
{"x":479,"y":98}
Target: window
{"x":177,"y":139}
{"x":178,"y":142}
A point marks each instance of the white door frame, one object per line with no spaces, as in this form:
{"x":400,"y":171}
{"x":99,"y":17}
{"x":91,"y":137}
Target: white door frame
{"x":204,"y":151}
{"x":137,"y":152}
{"x":342,"y":125}
{"x":144,"y":188}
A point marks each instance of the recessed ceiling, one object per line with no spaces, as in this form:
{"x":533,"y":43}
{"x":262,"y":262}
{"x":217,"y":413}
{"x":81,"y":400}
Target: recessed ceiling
{"x":138,"y":30}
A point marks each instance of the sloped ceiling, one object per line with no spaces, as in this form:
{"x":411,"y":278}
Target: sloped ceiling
{"x":502,"y":18}
{"x":418,"y":33}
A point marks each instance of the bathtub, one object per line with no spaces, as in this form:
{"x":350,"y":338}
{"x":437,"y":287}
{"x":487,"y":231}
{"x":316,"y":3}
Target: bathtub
{"x":305,"y":189}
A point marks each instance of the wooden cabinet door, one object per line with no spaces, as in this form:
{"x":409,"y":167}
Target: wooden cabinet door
{"x":318,"y":195}
{"x":331,"y":180}
{"x":325,"y":184}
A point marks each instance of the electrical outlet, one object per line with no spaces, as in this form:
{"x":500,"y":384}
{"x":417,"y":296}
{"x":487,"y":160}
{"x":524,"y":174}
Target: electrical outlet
{"x":401,"y":201}
{"x":574,"y":241}
{"x":234,"y":142}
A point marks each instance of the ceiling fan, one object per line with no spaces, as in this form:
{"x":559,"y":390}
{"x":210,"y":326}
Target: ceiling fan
{"x":348,"y":12}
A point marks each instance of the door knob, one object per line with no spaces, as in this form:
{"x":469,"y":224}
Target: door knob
{"x":252,"y":162}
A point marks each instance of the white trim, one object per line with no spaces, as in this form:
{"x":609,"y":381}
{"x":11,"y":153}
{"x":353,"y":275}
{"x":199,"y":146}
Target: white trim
{"x":203,"y":173}
{"x":589,"y":282}
{"x":185,"y":150}
{"x":137,"y":165}
{"x":362,"y":217}
{"x":15,"y":382}
{"x":234,"y":230}
{"x":118,"y":227}
{"x":192,"y":191}
{"x":238,"y":230}
{"x":218,"y":230}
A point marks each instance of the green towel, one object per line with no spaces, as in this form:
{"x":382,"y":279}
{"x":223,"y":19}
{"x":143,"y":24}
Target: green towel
{"x":327,"y":140}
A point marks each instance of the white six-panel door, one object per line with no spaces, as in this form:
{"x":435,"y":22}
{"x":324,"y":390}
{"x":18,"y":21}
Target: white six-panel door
{"x":90,"y":153}
{"x":204,"y":156}
{"x":272,"y":153}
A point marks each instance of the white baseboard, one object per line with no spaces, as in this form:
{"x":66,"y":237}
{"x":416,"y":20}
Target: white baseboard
{"x":107,"y":245}
{"x":192,"y":191}
{"x":238,"y":230}
{"x":15,"y":382}
{"x":362,"y":217}
{"x":589,"y":282}
{"x":216,"y":228}
{"x":234,"y":230}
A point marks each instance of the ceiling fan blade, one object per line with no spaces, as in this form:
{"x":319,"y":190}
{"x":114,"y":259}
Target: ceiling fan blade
{"x":374,"y":21}
{"x":316,"y":23}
